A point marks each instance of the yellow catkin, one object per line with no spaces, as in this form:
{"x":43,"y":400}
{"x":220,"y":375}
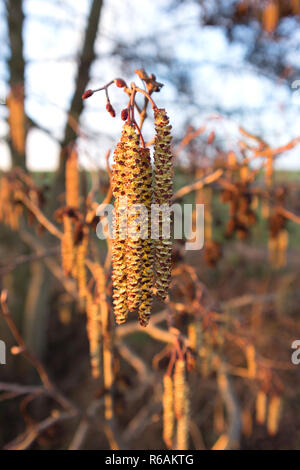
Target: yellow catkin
{"x":168,"y":411}
{"x":132,"y":245}
{"x":274,"y":409}
{"x":251,"y":361}
{"x":179,"y":387}
{"x":80,"y":264}
{"x":181,"y":405}
{"x":72,"y":180}
{"x":145,"y":306}
{"x":94,"y":333}
{"x":163,"y":174}
{"x":16,"y":118}
{"x":134,"y":242}
{"x":261,"y":406}
{"x":119,"y":276}
{"x":67,"y":246}
{"x":270,"y":16}
{"x":183,"y":425}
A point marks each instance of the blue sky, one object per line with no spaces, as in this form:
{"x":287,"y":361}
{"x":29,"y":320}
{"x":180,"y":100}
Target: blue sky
{"x":219,"y":75}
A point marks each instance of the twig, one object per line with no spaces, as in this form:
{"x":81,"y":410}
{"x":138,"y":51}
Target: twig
{"x":212,"y":177}
{"x":22,"y":349}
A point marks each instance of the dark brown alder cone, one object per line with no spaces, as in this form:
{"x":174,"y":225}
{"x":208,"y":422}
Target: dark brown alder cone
{"x":163,"y":175}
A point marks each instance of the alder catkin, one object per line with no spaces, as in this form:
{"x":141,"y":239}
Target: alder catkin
{"x":81,"y":252}
{"x":181,"y":405}
{"x":168,"y":411}
{"x":94,"y":334}
{"x":134,"y":245}
{"x":72,"y":180}
{"x":251,"y":361}
{"x":179,"y":387}
{"x":163,"y":174}
{"x":274,"y":409}
{"x":119,"y":276}
{"x":67,"y":246}
{"x":261,"y":406}
{"x":144,"y":310}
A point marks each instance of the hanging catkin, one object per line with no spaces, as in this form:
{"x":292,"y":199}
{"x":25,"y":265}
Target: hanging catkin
{"x":261,"y":406}
{"x":181,"y":405}
{"x":168,"y":411}
{"x":68,"y":251}
{"x":81,"y":252}
{"x":67,"y":246}
{"x":134,"y":242}
{"x":72,"y":180}
{"x":144,"y":310}
{"x":162,"y":195}
{"x":274,"y":410}
{"x":94,"y":333}
{"x":119,"y":175}
{"x":251,"y":361}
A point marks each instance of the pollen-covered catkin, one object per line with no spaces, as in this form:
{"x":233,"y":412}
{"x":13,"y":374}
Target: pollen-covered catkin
{"x":163,"y":174}
{"x":274,"y":409}
{"x":132,"y":245}
{"x":181,"y":405}
{"x":81,"y":252}
{"x":144,"y":310}
{"x":94,"y":333}
{"x":72,"y":181}
{"x":134,"y":248}
{"x":261,"y":407}
{"x":119,"y":276}
{"x":179,"y":387}
{"x":168,"y":411}
{"x":67,"y":246}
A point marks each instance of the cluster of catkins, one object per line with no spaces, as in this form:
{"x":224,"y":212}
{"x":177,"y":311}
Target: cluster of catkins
{"x":139,"y":263}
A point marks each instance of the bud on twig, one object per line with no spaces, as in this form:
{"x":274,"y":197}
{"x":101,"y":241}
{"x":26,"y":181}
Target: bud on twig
{"x":124,"y":114}
{"x":120,"y":83}
{"x":87,"y":94}
{"x":111,"y":110}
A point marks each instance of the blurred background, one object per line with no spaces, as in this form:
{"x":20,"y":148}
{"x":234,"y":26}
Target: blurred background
{"x":231,"y":76}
